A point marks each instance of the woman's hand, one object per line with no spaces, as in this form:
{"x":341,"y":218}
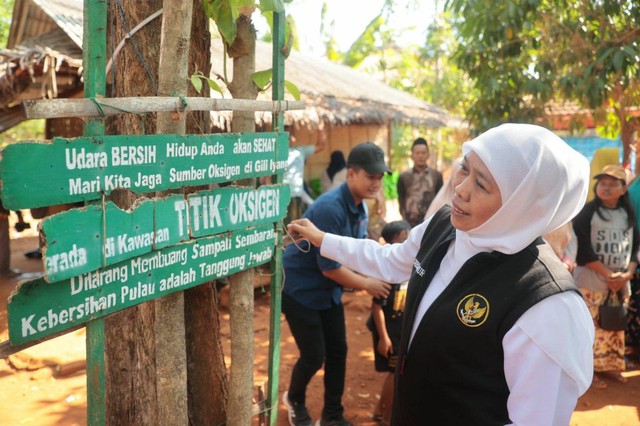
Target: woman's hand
{"x":376,"y":288}
{"x":304,"y":229}
{"x":617,"y":280}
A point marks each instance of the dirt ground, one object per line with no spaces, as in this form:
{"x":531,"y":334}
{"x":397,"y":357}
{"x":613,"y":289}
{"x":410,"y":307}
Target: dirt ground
{"x":45,"y":385}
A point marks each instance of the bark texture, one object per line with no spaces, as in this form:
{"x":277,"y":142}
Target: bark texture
{"x":130,"y":375}
{"x":241,"y":295}
{"x":171,"y":360}
{"x":130,"y":358}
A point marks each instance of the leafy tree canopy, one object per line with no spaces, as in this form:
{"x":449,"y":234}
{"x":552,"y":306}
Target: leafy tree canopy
{"x":522,"y":54}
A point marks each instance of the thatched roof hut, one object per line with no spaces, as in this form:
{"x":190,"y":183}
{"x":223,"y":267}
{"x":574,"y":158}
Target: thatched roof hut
{"x":340,"y":95}
{"x":344,"y":106}
{"x":43,"y":59}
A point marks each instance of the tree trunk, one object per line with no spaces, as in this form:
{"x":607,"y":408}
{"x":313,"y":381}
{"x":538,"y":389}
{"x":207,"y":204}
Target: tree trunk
{"x":171,"y":360}
{"x":241,"y":295}
{"x":130,"y":376}
{"x":206,"y":371}
{"x":130,"y":353}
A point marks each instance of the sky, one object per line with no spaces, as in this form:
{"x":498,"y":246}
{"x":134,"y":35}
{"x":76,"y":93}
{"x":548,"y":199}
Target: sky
{"x":351,"y":18}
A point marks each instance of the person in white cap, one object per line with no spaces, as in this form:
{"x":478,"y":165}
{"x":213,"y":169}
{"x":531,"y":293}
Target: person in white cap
{"x":495,"y":331}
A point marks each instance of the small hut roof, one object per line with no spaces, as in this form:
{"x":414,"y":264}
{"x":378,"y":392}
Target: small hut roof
{"x":340,"y":95}
{"x":32,"y":18}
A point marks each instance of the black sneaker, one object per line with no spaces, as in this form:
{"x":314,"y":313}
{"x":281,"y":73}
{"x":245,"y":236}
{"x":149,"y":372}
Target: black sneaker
{"x":339,"y":422}
{"x":298,"y":414}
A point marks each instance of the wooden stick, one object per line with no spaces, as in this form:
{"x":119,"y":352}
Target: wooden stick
{"x":169,"y":326}
{"x":59,"y":108}
{"x":6,"y":348}
{"x":71,"y":367}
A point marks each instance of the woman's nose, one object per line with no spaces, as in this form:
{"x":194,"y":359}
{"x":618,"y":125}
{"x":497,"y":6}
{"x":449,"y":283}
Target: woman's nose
{"x":461,"y":190}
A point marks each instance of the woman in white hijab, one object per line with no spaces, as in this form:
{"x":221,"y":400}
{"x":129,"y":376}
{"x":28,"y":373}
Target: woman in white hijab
{"x":495,"y":331}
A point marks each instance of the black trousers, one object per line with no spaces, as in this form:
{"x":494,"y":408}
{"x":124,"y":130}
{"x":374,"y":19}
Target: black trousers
{"x":321,"y":338}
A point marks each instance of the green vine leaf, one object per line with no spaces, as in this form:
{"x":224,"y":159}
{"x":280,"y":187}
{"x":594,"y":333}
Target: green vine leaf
{"x":197,"y":83}
{"x":214,"y":86}
{"x":293,"y":89}
{"x":262,"y":78}
{"x":222,"y":13}
{"x":272,"y":6}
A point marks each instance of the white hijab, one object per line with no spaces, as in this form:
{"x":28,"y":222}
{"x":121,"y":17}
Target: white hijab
{"x":543,"y":183}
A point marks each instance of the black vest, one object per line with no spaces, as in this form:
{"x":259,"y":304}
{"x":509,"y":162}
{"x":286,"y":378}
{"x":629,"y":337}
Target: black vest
{"x":453,"y":373}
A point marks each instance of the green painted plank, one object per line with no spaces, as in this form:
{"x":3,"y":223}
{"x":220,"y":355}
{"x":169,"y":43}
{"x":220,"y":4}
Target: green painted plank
{"x":276,"y":263}
{"x":36,"y":174}
{"x":85,"y":239}
{"x":37,"y":309}
{"x":94,"y":43}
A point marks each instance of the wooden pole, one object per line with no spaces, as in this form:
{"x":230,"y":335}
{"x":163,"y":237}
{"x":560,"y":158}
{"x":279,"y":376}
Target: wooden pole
{"x":276,"y":263}
{"x":241,"y":292}
{"x":59,"y":108}
{"x":171,"y":356}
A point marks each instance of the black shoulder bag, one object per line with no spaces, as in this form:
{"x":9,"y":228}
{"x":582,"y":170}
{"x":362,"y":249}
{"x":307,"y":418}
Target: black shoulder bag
{"x":612,"y":313}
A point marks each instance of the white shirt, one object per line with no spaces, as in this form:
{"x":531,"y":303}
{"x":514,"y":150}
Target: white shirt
{"x":548,"y":358}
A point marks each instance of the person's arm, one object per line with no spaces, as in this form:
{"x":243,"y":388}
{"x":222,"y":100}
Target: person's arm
{"x":547,"y":372}
{"x":600,"y":268}
{"x":325,"y":181}
{"x":347,"y":278}
{"x":402,"y":192}
{"x":586,"y":255}
{"x":582,"y":228}
{"x":635,"y":244}
{"x":321,"y":143}
{"x":618,"y":280}
{"x":390,"y":262}
{"x":306,"y":198}
{"x":385,"y":346}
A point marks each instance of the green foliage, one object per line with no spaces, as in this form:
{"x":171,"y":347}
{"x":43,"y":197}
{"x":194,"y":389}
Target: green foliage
{"x":365,"y":45}
{"x":326,"y":30}
{"x":315,"y":186}
{"x":262,"y":79}
{"x":222,"y":13}
{"x":27,"y":130}
{"x":290,"y":32}
{"x":293,"y":89}
{"x":6,"y":10}
{"x":390,"y":185}
{"x":426,"y":72}
{"x":197,"y":78}
{"x":597,"y":47}
{"x":272,"y":5}
{"x":225,"y":13}
{"x":523,"y":53}
{"x":499,"y":48}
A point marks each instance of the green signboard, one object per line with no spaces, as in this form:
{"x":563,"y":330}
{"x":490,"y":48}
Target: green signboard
{"x":36,"y":174}
{"x":88,"y":238}
{"x":38,"y":309}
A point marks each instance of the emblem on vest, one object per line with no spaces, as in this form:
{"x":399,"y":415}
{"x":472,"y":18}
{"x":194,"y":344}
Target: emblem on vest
{"x":473,"y":310}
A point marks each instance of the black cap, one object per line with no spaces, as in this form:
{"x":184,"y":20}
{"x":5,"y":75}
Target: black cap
{"x":370,"y":157}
